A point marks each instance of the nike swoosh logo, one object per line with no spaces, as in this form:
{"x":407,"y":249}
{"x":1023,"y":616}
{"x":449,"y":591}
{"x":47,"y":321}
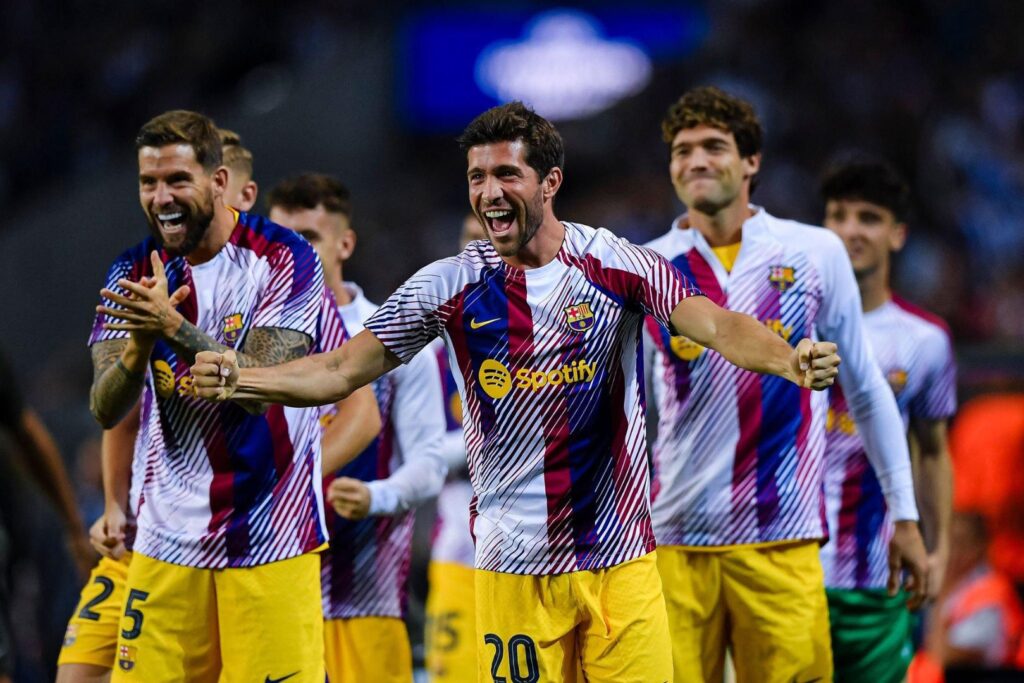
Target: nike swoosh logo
{"x":476,"y":326}
{"x":278,"y":680}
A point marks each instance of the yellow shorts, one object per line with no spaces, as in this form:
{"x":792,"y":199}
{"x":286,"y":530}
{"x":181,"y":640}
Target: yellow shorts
{"x":246,"y":624}
{"x":367,"y":649}
{"x":602,"y":626}
{"x":765,"y":603}
{"x":91,"y":637}
{"x":450,"y":636}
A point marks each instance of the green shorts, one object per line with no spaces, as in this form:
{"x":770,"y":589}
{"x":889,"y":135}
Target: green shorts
{"x":871,"y":635}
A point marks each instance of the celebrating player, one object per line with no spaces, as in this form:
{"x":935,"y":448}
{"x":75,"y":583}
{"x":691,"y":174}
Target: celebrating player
{"x":738,"y":459}
{"x":90,"y":642}
{"x":364,"y":573}
{"x":542,"y":325}
{"x":223,"y":583}
{"x":866,"y":203}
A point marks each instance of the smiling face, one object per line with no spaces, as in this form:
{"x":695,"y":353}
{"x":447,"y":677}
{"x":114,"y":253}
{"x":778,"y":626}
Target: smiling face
{"x":707,"y":170}
{"x":178,"y":195}
{"x":869,"y":231}
{"x":506,"y":194}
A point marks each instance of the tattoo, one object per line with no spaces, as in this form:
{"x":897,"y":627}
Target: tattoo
{"x":115,"y":388}
{"x":273,"y":346}
{"x":264,"y":346}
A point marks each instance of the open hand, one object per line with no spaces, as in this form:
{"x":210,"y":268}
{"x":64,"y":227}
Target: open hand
{"x":146,"y":308}
{"x":815,"y":364}
{"x":215,"y":375}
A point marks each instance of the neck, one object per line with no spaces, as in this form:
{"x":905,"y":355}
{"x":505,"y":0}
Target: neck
{"x":543,"y":248}
{"x":724,"y":227}
{"x":217,"y":235}
{"x":874,"y":288}
{"x":335,"y":283}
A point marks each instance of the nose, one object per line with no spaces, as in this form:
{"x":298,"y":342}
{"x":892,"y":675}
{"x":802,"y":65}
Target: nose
{"x":491,"y":191}
{"x":162,"y":195}
{"x":698,"y":159}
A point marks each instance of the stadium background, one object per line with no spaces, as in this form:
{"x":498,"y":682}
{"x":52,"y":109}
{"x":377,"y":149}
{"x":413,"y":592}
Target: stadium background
{"x":375,"y":93}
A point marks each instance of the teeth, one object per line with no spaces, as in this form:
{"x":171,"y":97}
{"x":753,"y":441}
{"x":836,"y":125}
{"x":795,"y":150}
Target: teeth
{"x":169,"y":216}
{"x":498,"y":213}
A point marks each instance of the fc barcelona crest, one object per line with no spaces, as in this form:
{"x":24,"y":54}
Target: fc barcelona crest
{"x":897,"y":379}
{"x":126,"y":657}
{"x":579,"y":317}
{"x":232,"y":327}
{"x":781,"y":277}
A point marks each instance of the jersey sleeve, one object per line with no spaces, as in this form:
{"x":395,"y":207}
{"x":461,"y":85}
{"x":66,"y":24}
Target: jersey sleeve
{"x":869,"y":397}
{"x":663,"y":287}
{"x":123,"y":267}
{"x":418,"y":417}
{"x":331,"y":330}
{"x":937,"y":399}
{"x":291,"y":297}
{"x":412,"y":316}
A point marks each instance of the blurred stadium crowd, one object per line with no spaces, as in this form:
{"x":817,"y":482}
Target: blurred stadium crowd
{"x":936,"y":86}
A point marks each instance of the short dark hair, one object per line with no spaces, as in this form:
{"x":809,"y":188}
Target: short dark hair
{"x":868,"y":179}
{"x":310,"y":190}
{"x":515,"y":121}
{"x":235,"y":155}
{"x":189,"y":127}
{"x":709,"y":106}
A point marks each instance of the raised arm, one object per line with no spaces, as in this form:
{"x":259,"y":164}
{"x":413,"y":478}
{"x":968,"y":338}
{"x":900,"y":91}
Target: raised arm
{"x":745,"y":342}
{"x":311,"y":381}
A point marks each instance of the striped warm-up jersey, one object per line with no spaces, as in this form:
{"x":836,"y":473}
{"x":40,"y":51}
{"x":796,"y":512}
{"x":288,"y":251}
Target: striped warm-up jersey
{"x":739,"y":456}
{"x":452,"y":541}
{"x":914,"y":351}
{"x":365,"y":571}
{"x":212,"y":485}
{"x":548,"y":365}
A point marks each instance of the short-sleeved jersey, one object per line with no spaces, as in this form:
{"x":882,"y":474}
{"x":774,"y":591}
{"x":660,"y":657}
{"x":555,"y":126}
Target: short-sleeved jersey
{"x":452,"y":542}
{"x":914,"y":351}
{"x":548,"y":367}
{"x":213,"y":485}
{"x":365,"y":571}
{"x":739,"y":456}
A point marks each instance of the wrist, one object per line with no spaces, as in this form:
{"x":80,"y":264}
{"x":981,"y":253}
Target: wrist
{"x":173,"y":324}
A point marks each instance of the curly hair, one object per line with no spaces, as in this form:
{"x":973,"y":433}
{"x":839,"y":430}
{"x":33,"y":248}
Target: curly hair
{"x":515,"y":121}
{"x":709,"y":106}
{"x":188,"y":127}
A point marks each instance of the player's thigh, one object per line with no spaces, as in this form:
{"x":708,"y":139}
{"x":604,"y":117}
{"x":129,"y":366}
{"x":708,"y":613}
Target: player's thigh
{"x":90,"y":641}
{"x":692,"y":584}
{"x":367,"y":649}
{"x":525,"y":628}
{"x":450,"y":634}
{"x":775,"y":596}
{"x":626,"y":637}
{"x":168,"y":626}
{"x":871,"y":635}
{"x":271,"y":621}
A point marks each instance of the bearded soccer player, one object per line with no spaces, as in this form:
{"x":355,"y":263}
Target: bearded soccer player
{"x":866,"y":204}
{"x":738,"y":459}
{"x":542,"y":324}
{"x":450,"y":629}
{"x":223,"y":582}
{"x":365,"y":571}
{"x":90,"y":642}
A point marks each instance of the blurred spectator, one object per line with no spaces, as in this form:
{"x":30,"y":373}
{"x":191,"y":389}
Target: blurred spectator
{"x":978,"y":623}
{"x":987,"y":446}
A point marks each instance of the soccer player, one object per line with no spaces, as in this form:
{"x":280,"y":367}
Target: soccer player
{"x":738,"y":459}
{"x":542,"y":325}
{"x":450,"y":628}
{"x":866,"y":204}
{"x":365,"y":571}
{"x":224,"y":579}
{"x":90,"y":642}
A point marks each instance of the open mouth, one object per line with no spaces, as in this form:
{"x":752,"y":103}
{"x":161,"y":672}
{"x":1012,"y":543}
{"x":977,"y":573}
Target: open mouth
{"x":171,"y":222}
{"x":500,"y":221}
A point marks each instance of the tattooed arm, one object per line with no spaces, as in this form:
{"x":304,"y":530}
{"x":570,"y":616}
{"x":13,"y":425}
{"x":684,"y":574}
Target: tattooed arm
{"x":119,"y":369}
